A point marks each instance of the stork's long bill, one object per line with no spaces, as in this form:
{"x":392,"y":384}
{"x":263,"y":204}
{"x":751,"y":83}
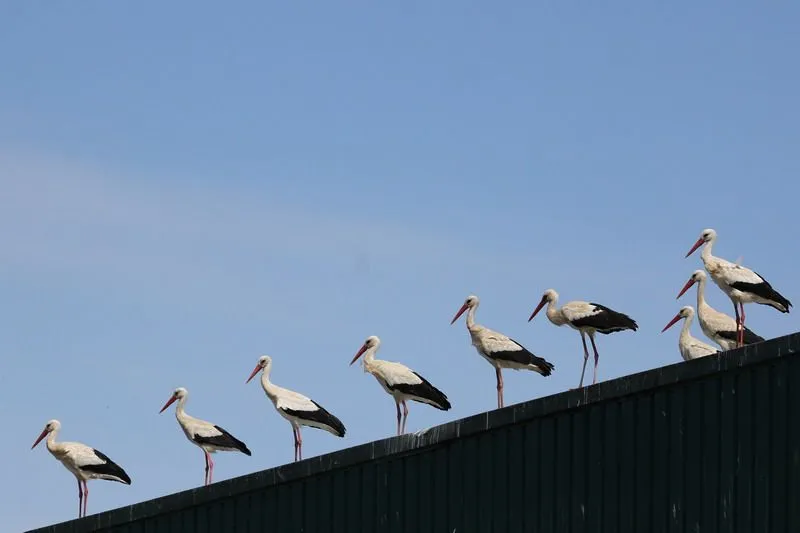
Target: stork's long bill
{"x":42,"y":436}
{"x":672,"y":322}
{"x":697,"y":245}
{"x":542,"y":302}
{"x":460,"y":312}
{"x":364,"y":346}
{"x":169,"y":402}
{"x":253,"y":373}
{"x":686,"y":287}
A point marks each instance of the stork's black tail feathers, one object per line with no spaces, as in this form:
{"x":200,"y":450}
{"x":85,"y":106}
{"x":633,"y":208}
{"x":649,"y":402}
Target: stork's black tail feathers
{"x":545,"y":367}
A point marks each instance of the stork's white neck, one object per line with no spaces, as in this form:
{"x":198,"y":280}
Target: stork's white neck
{"x":269,"y":388}
{"x":180,"y":413}
{"x":701,"y":294}
{"x":471,"y":325}
{"x":685,"y":335}
{"x":555,"y":314}
{"x":706,"y":254}
{"x":369,"y":358}
{"x":53,"y":446}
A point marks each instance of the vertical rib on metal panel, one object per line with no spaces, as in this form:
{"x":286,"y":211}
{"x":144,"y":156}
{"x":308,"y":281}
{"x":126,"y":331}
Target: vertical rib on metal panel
{"x":644,"y":463}
{"x":710,"y":495}
{"x":761,"y":408}
{"x":660,"y":494}
{"x":610,"y":467}
{"x":692,"y":439}
{"x":676,"y":459}
{"x":546,"y":469}
{"x":744,"y":451}
{"x":498,"y":448}
{"x":778,"y":414}
{"x":594,"y":441}
{"x":793,"y":446}
{"x":727,"y":453}
{"x":627,"y":465}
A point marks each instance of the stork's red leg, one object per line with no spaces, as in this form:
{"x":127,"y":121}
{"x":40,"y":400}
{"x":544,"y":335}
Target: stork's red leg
{"x":299,"y":445}
{"x":405,"y":416}
{"x":596,"y":358}
{"x":210,"y":469}
{"x":585,"y":358}
{"x":499,"y":387}
{"x":80,"y":499}
{"x":738,"y":325}
{"x":205,"y":478}
{"x":741,"y":329}
{"x":85,"y":496}
{"x":397,"y":404}
{"x":294,"y":434}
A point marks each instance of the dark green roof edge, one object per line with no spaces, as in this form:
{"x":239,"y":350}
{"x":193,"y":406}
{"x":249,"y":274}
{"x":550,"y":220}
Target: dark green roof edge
{"x":605,"y":391}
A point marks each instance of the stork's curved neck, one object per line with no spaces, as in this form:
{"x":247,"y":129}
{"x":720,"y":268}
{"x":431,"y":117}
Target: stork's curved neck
{"x":701,"y":294}
{"x":180,"y":413}
{"x":52,"y":445}
{"x":555,"y":314}
{"x":269,"y":388}
{"x":369,"y":358}
{"x":706,"y":254}
{"x":471,"y":325}
{"x":687,"y":322}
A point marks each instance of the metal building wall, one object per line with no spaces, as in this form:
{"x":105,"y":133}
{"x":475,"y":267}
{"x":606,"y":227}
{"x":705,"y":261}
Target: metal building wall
{"x":706,"y":446}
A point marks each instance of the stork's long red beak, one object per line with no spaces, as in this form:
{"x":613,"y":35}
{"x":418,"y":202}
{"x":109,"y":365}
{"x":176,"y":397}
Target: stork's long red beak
{"x":460,"y":312}
{"x":538,"y":308}
{"x":360,"y":353}
{"x":169,"y":402}
{"x":697,"y":245}
{"x":43,"y":435}
{"x":671,"y":322}
{"x":686,"y":287}
{"x":253,"y":373}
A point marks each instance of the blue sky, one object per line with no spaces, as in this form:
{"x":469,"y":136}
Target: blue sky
{"x":186,"y":187}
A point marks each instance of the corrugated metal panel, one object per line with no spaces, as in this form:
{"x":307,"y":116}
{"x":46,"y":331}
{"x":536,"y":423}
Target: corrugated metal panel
{"x":704,"y":446}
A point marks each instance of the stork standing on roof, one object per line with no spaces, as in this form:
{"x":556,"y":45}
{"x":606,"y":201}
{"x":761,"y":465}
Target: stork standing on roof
{"x":717,"y":326}
{"x":689,"y":346}
{"x":209,"y":437}
{"x":400,"y":382}
{"x":500,"y":350}
{"x":299,"y":410}
{"x":83,"y":461}
{"x":588,"y":318}
{"x":741,"y":284}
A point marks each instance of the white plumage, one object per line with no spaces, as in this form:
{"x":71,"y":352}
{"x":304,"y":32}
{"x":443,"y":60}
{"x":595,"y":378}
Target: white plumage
{"x":689,"y":347}
{"x":299,"y":410}
{"x":717,"y":326}
{"x":500,"y":350}
{"x":588,"y":318}
{"x":207,"y":436}
{"x":400,"y":382}
{"x":83,"y":461}
{"x":741,"y":284}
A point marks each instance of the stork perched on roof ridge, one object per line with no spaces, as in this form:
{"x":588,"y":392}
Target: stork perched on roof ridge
{"x":587,"y":318}
{"x":500,"y":350}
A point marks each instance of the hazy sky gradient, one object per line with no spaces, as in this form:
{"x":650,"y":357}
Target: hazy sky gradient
{"x":186,"y":187}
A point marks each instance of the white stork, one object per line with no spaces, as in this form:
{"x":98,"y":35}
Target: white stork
{"x":498,"y":349}
{"x":717,"y":326}
{"x":689,"y":346}
{"x":586,"y":317}
{"x":84,"y":462}
{"x":741,"y":284}
{"x":299,"y":410}
{"x":400,"y":382}
{"x":207,"y":436}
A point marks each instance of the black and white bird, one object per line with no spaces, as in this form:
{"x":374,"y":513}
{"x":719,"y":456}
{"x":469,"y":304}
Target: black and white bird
{"x":299,"y":410}
{"x":588,"y":318}
{"x":742,"y":285}
{"x":209,"y":437}
{"x":83,"y":461}
{"x":500,"y":350}
{"x":400,"y":382}
{"x":717,"y":326}
{"x":689,"y":346}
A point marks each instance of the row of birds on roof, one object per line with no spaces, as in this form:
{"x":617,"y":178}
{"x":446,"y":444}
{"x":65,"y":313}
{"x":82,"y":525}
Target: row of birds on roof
{"x":741,"y":284}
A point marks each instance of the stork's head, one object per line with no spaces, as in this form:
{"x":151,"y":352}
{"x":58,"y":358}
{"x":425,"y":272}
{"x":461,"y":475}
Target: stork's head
{"x":372,"y":342}
{"x":707,"y":235}
{"x":549,"y":296}
{"x":470,"y":303}
{"x":178,"y":394}
{"x":687,"y":311}
{"x":698,"y":276}
{"x":52,"y":425}
{"x":264,"y":361}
